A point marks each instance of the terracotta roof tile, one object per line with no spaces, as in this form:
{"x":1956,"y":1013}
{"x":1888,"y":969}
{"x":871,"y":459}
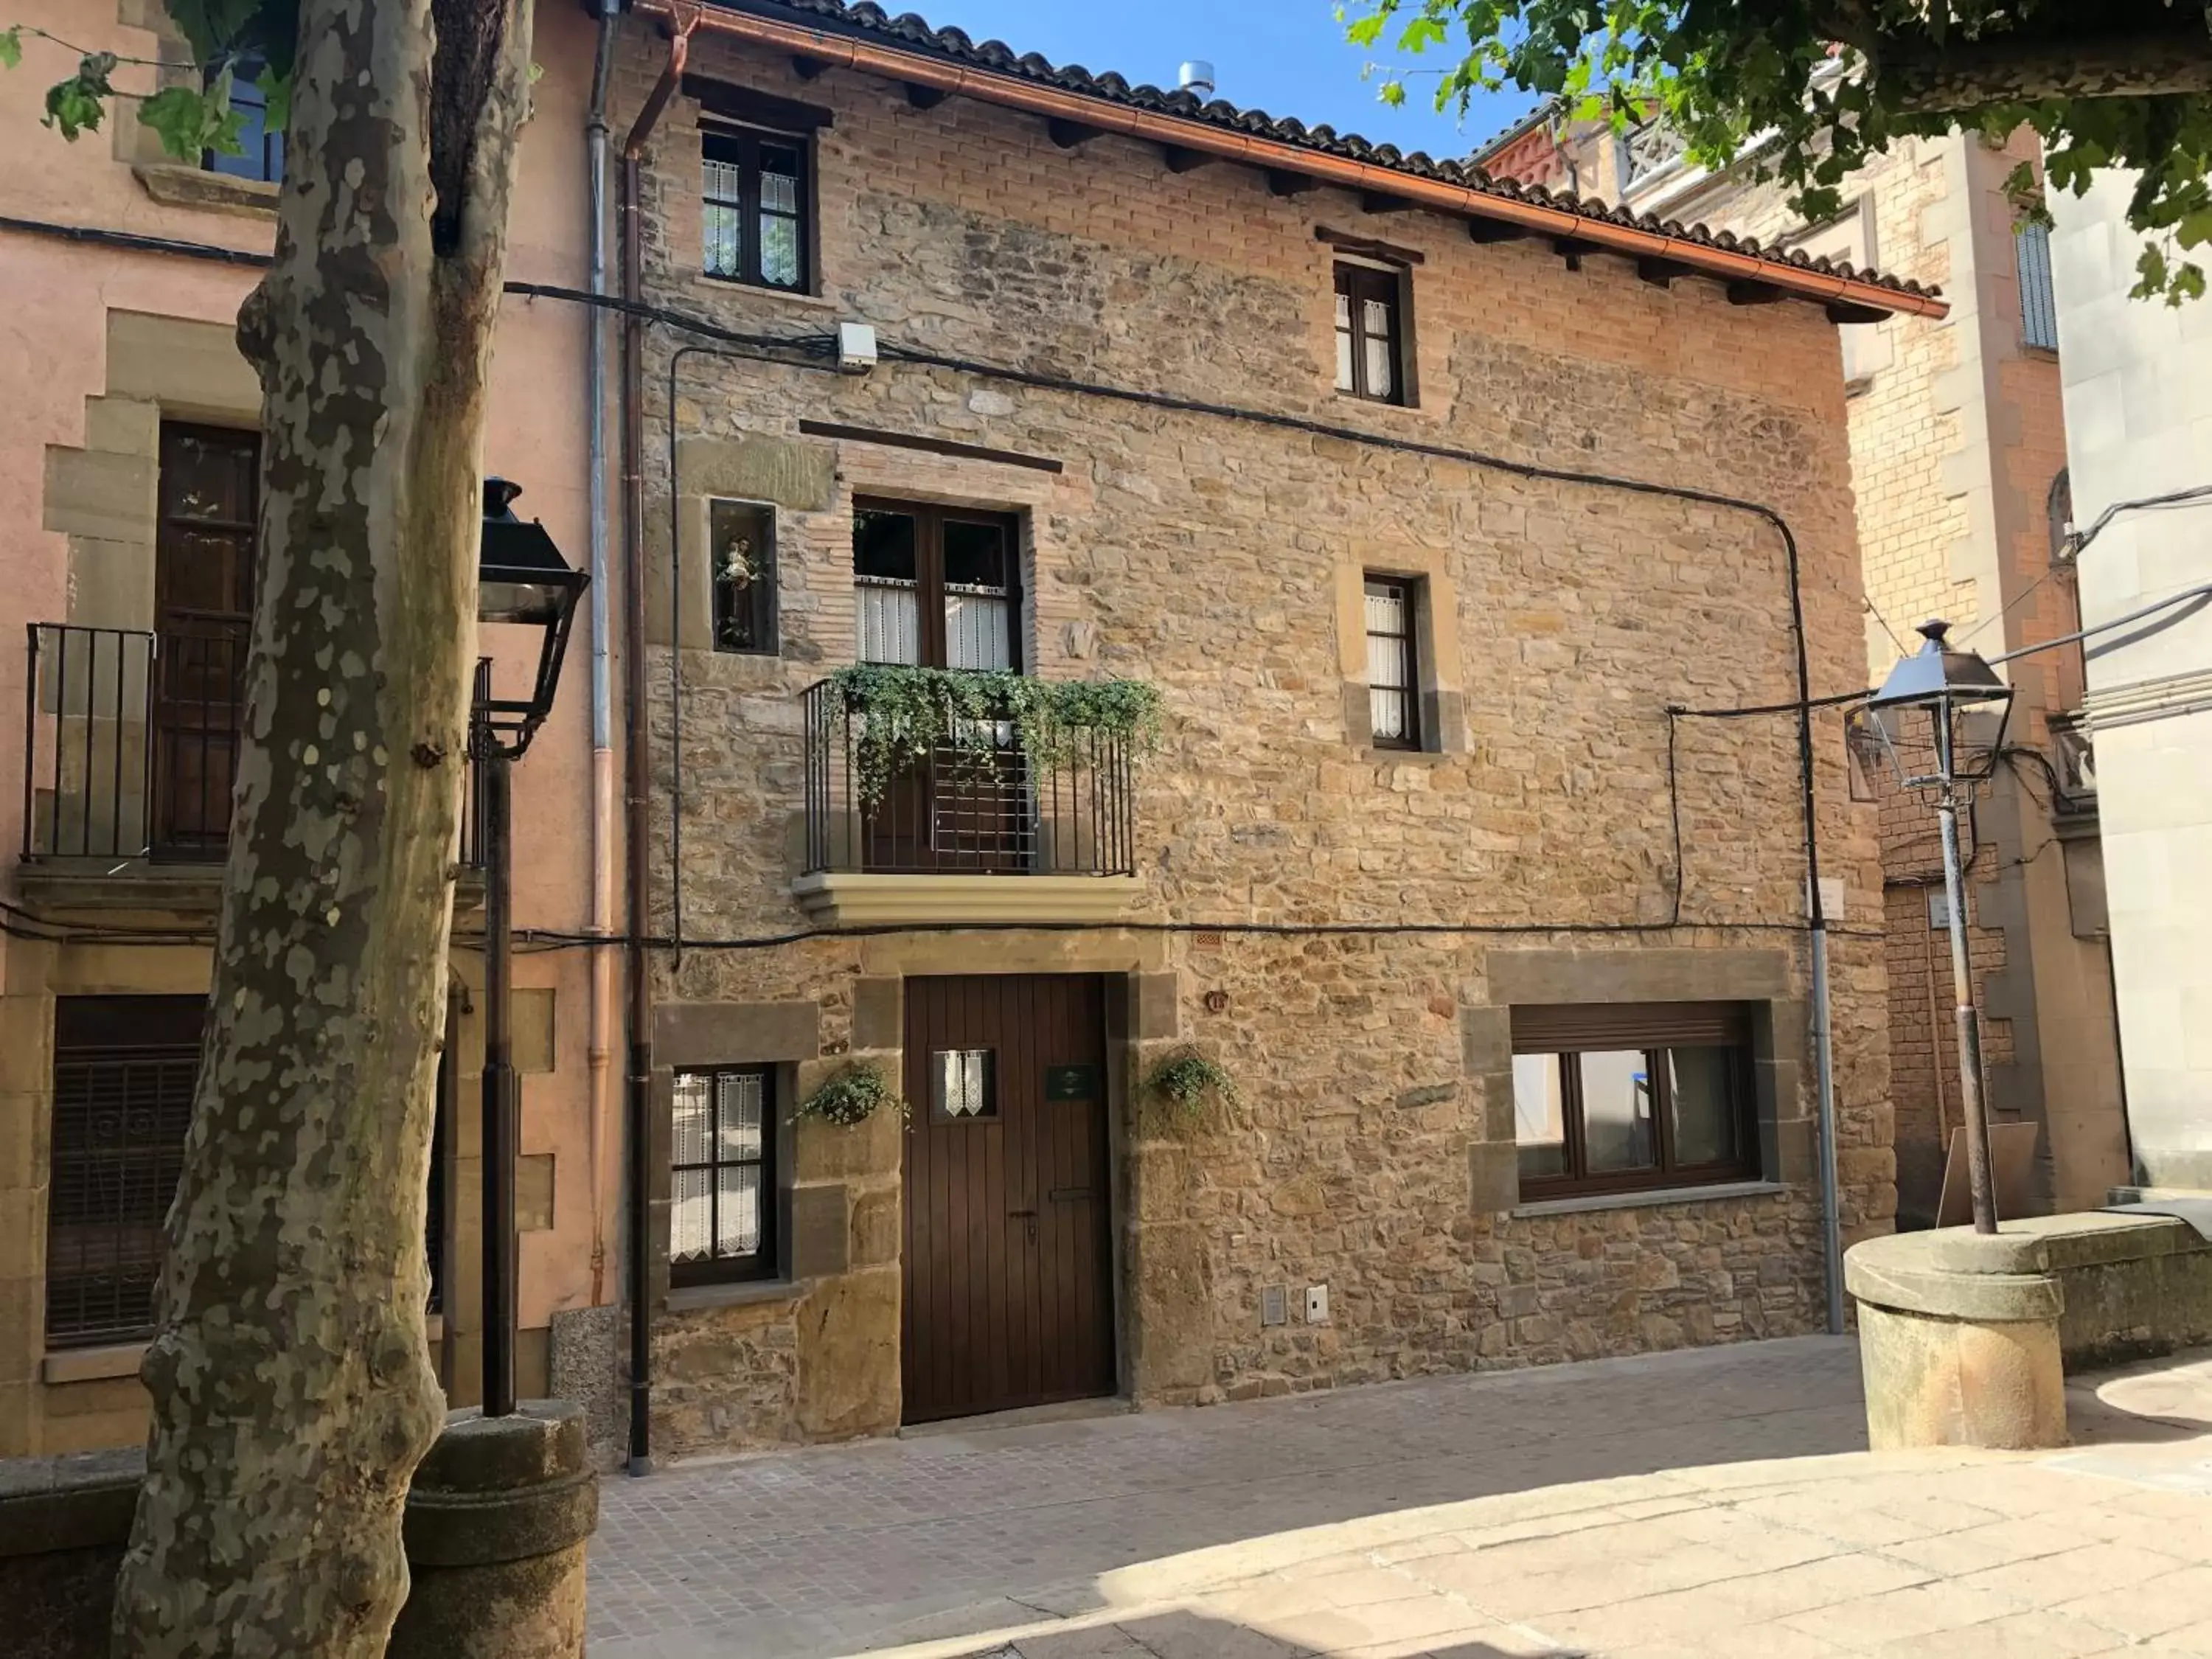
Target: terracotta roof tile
{"x":912,"y":33}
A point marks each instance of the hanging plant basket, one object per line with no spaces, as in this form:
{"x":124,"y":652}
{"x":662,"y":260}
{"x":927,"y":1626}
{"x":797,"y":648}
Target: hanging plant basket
{"x":898,"y":718}
{"x":1187,"y":1083}
{"x":852,"y":1097}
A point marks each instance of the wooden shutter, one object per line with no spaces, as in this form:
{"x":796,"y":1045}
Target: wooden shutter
{"x":1564,"y":1028}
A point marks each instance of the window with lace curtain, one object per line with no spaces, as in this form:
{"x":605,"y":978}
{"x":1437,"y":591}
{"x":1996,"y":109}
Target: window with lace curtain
{"x":938,"y":586}
{"x":1394,"y":680}
{"x":1370,"y":333}
{"x":722,"y":1189}
{"x":754,"y":208}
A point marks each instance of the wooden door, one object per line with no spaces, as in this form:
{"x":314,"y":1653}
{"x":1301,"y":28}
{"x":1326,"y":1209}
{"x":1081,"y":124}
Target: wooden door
{"x":1009,"y":1273}
{"x":204,"y":554}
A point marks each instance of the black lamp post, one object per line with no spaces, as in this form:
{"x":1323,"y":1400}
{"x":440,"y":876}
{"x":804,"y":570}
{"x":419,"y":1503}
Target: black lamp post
{"x":521,"y":578}
{"x":1941,"y":715}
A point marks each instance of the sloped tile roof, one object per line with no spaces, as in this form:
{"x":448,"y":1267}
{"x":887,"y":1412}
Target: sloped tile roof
{"x":911,"y":34}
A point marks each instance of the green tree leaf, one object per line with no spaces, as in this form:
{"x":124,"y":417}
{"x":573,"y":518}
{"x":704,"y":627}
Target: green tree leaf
{"x":191,"y":121}
{"x":1827,"y":86}
{"x":76,"y":105}
{"x":12,"y":46}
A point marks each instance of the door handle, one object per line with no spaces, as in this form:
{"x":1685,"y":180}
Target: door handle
{"x":1028,"y":1216}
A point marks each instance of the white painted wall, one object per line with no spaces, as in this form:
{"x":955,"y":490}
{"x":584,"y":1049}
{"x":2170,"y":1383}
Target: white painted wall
{"x":2138,"y":392}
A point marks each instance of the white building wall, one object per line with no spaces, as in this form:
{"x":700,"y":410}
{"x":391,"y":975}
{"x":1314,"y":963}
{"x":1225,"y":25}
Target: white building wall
{"x":2138,"y":394}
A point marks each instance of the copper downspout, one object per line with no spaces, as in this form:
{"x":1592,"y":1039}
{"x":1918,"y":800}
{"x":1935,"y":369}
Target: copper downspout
{"x":1102,"y":115}
{"x":637,"y":761}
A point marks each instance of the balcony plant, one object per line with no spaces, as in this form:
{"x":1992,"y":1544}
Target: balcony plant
{"x":900,"y":716}
{"x":1186,"y":1083}
{"x":852,"y":1097}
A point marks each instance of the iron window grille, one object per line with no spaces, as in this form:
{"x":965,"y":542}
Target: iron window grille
{"x":741,"y":540}
{"x":1626,"y":1098}
{"x":2038,"y":300}
{"x":722,"y":1219}
{"x":261,"y":145}
{"x":1393,"y":681}
{"x":1370,"y":333}
{"x":124,"y":1072}
{"x":755,"y":219}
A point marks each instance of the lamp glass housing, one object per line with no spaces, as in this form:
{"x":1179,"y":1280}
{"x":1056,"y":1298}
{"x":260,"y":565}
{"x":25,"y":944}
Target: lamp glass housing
{"x":522,"y":580}
{"x":1942,"y":714}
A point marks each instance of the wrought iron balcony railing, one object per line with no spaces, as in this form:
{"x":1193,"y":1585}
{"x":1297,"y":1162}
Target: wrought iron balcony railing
{"x":982,"y":807}
{"x":130,"y":744}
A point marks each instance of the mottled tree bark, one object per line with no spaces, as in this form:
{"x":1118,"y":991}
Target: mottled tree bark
{"x":292,"y":1386}
{"x":2006,"y":68}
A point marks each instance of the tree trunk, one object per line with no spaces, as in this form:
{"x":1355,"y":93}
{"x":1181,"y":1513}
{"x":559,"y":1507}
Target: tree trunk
{"x":292,"y":1385}
{"x":2005,"y":68}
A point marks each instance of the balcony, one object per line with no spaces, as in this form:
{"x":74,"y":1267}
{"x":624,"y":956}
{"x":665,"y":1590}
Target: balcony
{"x":131,"y":740}
{"x":971,"y":827}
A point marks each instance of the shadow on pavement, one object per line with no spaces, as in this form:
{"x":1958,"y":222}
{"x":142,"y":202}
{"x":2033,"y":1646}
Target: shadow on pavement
{"x":1187,"y":1635}
{"x":2148,"y":1403}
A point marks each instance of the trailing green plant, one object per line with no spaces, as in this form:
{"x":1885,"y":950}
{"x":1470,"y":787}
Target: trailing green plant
{"x":1187,"y":1079}
{"x":852,"y":1097}
{"x":900,"y":716}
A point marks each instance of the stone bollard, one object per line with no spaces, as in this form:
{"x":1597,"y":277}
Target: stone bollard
{"x":497,"y":1522}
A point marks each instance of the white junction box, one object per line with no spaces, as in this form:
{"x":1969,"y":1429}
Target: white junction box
{"x":1316,"y":1304}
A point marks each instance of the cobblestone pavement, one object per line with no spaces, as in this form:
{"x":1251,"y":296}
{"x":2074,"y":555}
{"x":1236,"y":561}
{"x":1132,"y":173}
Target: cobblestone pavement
{"x":1711,"y":1502}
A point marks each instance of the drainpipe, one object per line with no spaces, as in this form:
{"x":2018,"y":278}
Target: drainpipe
{"x":638,"y":771}
{"x":599,"y":1053}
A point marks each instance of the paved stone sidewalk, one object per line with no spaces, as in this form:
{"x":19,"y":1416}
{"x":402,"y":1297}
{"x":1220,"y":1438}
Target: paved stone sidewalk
{"x":1709,"y":1503}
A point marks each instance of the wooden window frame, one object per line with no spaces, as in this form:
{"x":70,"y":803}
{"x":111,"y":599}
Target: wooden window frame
{"x":1410,"y":589}
{"x":760,"y":595}
{"x":762,"y":1261}
{"x":930,"y":519}
{"x":1559,"y":1032}
{"x":1355,"y":283}
{"x":246,"y":94}
{"x":740,"y":147}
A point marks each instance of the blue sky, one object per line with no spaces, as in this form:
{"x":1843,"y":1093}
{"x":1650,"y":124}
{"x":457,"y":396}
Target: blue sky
{"x":1286,"y":57}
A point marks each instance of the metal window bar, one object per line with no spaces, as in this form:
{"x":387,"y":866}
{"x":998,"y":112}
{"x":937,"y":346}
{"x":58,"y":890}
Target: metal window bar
{"x":997,"y":811}
{"x":2038,"y":300}
{"x":119,"y":1121}
{"x":721,"y":1186}
{"x":130,"y":744}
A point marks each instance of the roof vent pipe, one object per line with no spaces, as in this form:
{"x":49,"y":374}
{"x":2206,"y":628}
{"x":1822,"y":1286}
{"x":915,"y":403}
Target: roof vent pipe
{"x":1197,"y":77}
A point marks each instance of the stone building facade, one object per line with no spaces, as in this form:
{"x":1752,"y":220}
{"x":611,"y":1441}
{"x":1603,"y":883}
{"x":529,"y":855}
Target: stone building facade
{"x":2139,"y":425}
{"x":122,"y":374}
{"x":1346,"y":928}
{"x":1959,"y":470}
{"x":1419,"y":505}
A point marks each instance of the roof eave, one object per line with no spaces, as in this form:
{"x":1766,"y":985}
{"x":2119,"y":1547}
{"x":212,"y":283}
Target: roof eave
{"x":842,"y":50}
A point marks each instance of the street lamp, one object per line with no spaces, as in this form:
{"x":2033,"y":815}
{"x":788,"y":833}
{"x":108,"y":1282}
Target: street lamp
{"x":1941,"y":717}
{"x":522,"y":580}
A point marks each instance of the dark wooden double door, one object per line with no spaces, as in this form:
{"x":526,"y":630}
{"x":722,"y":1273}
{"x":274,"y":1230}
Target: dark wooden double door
{"x":1009,"y":1276}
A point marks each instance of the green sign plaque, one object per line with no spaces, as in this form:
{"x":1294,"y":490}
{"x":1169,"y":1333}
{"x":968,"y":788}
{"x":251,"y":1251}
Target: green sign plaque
{"x":1070,"y":1083}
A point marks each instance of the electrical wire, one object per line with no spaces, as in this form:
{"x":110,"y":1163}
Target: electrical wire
{"x":676,"y":589}
{"x":763,"y":348}
{"x":2195,"y":597}
{"x":2196,"y":495}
